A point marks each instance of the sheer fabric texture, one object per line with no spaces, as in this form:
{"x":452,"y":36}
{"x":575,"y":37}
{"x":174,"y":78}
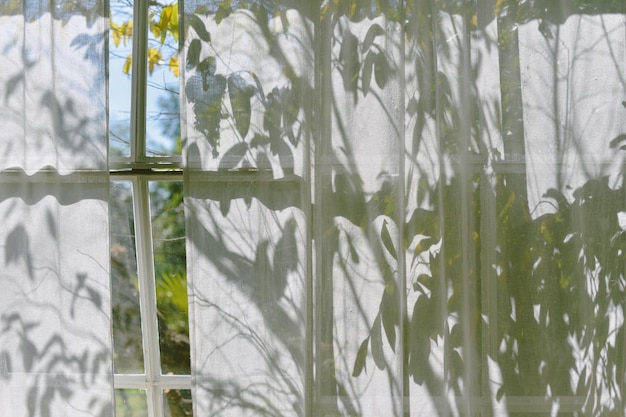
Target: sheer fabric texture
{"x":392,"y":208}
{"x":55,"y":337}
{"x":405,"y":208}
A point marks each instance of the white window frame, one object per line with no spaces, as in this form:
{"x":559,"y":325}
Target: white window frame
{"x":140,"y":169}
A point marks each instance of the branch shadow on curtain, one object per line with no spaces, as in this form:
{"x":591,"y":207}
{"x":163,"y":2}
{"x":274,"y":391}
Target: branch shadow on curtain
{"x":55,"y":337}
{"x":407,"y":208}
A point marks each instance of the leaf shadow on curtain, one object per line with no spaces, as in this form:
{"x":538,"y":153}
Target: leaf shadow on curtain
{"x":54,"y":302}
{"x":491,"y":283}
{"x":247,"y":232}
{"x":45,"y":107}
{"x":253,"y":288}
{"x":541,"y":286}
{"x":55,"y":354}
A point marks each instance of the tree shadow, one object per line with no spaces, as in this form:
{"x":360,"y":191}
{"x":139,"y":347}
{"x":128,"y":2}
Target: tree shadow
{"x":55,"y":317}
{"x":48,"y":112}
{"x":429,"y":260}
{"x":55,"y":354}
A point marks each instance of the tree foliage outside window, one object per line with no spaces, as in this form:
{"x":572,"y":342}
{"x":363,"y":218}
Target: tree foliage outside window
{"x":168,"y":228}
{"x":164,"y":28}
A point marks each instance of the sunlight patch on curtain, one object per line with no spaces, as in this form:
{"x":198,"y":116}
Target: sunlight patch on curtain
{"x":446,"y":180}
{"x":55,"y":335}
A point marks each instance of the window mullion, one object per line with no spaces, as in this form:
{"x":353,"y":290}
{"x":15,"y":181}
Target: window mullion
{"x":147,"y":294}
{"x":139,"y":80}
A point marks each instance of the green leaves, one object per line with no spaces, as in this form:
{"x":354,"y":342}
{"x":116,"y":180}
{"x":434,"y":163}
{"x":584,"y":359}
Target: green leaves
{"x":173,"y":287}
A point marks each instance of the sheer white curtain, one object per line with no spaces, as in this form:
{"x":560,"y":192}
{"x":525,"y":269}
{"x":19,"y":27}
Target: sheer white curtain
{"x":393,"y":208}
{"x":248,"y":241}
{"x":55,"y":332}
{"x":405,"y":208}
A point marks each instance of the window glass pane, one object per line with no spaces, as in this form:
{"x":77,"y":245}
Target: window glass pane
{"x":178,"y":403}
{"x":125,"y":290}
{"x":130,"y":403}
{"x":168,"y":233}
{"x":162,"y":124}
{"x":120,"y":49}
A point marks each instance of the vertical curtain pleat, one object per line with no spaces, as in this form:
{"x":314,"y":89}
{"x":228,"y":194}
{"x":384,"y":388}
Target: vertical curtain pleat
{"x":448,"y":177}
{"x":577,"y":68}
{"x":359,"y":173}
{"x":55,"y":330}
{"x":247,"y":71}
{"x":248,"y":293}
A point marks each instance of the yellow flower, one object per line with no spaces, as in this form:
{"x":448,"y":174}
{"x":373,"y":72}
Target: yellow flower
{"x":128,"y":64}
{"x":154,"y":58}
{"x":173,"y":65}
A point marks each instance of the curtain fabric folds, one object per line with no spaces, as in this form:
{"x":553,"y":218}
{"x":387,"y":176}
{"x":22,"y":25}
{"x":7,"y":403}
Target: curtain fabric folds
{"x":405,"y":208}
{"x":55,"y":332}
{"x":393,"y":207}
